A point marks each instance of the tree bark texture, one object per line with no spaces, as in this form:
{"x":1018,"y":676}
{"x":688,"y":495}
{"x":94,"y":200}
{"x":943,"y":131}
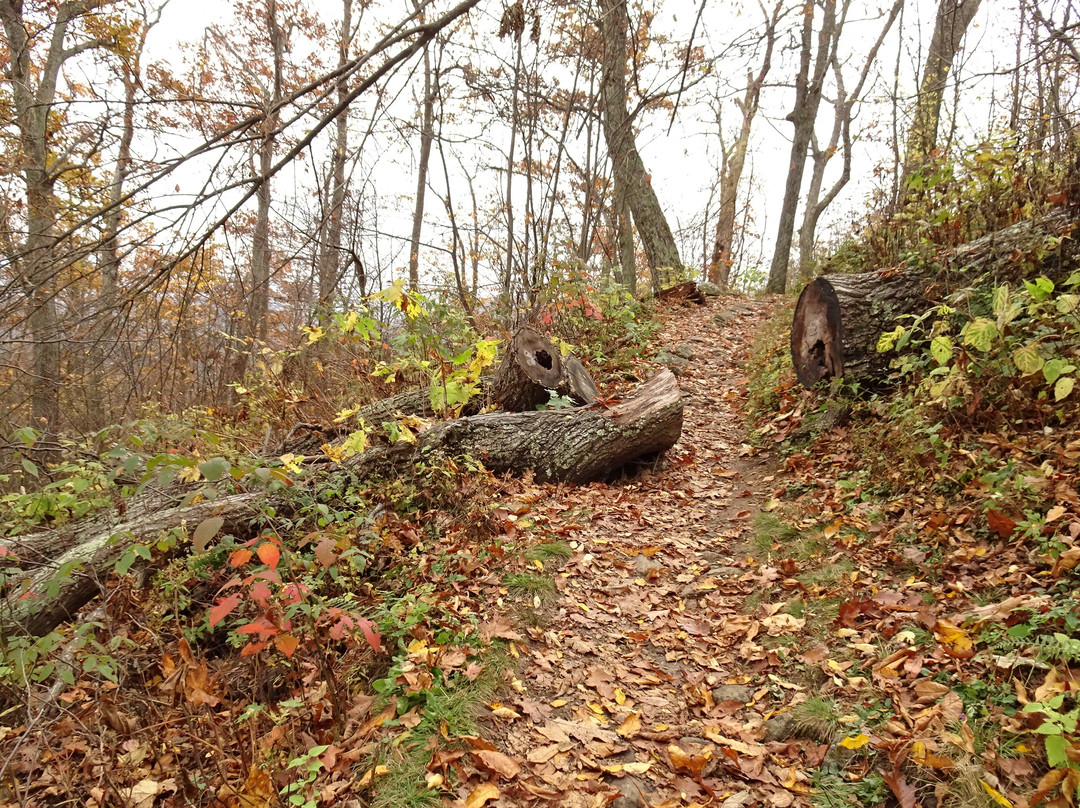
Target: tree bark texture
{"x":950,"y":25}
{"x":839,"y":317}
{"x":575,"y":445}
{"x":57,"y":590}
{"x":533,"y":365}
{"x":627,"y":165}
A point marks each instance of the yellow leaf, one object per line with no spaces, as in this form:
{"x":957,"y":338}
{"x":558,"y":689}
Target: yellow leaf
{"x":559,"y":703}
{"x":995,"y":795}
{"x":620,"y":697}
{"x":482,"y":794}
{"x":630,"y":726}
{"x":855,"y":741}
{"x":954,"y":640}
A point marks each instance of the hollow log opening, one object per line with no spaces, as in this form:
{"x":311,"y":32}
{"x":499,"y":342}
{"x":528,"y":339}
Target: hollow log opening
{"x":817,"y":334}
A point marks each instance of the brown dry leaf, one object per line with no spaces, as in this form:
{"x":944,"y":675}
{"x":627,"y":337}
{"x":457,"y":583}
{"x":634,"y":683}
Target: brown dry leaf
{"x":497,"y":763}
{"x":684,"y":761}
{"x":630,"y":726}
{"x":1002,"y":524}
{"x":482,"y":794}
{"x":545,"y":753}
{"x":1066,"y":562}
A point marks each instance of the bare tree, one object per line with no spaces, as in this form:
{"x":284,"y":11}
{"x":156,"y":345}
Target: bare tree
{"x":632,"y":180}
{"x":808,"y":89}
{"x":733,"y":157}
{"x":427,"y":134}
{"x":950,"y":25}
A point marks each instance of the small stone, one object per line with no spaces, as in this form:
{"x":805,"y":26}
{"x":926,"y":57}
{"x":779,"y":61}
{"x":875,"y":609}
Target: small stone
{"x":643,"y":565}
{"x":780,"y":727}
{"x":725,"y":317}
{"x":709,"y":289}
{"x":634,"y":793}
{"x":709,"y":557}
{"x":739,"y":693}
{"x":724,"y":572}
{"x":682,"y":350}
{"x":672,"y":362}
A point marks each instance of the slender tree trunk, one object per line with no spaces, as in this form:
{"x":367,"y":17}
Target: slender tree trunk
{"x":628,"y":168}
{"x":950,"y":25}
{"x":330,"y":259}
{"x":105,"y":329}
{"x":839,"y":140}
{"x":514,"y":115}
{"x":803,"y":116}
{"x":427,"y":134}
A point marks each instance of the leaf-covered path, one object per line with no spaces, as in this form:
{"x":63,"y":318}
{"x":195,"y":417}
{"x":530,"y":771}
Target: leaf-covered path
{"x":645,"y":684}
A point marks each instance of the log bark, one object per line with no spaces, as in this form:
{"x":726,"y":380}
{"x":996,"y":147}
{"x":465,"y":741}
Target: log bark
{"x":575,"y":445}
{"x":683,"y":293}
{"x":56,"y":591}
{"x":533,"y":365}
{"x":839,"y":317}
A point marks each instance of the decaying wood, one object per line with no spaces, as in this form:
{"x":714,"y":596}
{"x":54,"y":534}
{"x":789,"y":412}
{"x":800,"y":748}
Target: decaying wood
{"x":577,"y":445}
{"x":409,"y":402}
{"x":839,"y":317}
{"x":531,"y":367}
{"x":683,"y":292}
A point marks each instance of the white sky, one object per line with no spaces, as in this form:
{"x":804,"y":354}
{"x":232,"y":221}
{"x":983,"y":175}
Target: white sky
{"x":683,"y":163}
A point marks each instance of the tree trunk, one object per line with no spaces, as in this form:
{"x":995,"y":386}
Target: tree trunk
{"x":574,"y":445}
{"x":950,"y":25}
{"x":803,"y":116}
{"x":533,"y":365}
{"x":629,"y":170}
{"x":427,"y":135}
{"x":719,"y":268}
{"x":839,"y":318}
{"x":330,"y":256}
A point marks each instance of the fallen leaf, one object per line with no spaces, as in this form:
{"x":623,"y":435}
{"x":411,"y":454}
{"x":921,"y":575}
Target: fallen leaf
{"x":630,"y":726}
{"x":954,"y":640}
{"x":503,"y":765}
{"x":482,"y":794}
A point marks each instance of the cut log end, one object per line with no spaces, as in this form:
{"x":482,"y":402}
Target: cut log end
{"x":687,"y":292}
{"x":817,"y":334}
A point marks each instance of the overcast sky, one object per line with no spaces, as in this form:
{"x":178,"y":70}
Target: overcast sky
{"x":683,"y":161}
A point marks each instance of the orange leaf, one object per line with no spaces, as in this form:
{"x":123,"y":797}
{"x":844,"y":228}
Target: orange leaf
{"x":262,"y":627}
{"x":481,"y":795}
{"x":240,"y":557}
{"x":1002,"y":524}
{"x":224,"y":606}
{"x":252,"y":648}
{"x":326,"y":552}
{"x":269,"y":554}
{"x":954,"y":640}
{"x":287,"y":644}
{"x":370,"y":634}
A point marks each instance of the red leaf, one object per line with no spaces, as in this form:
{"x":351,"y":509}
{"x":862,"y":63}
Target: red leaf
{"x":287,"y":644}
{"x":224,"y":606}
{"x":240,"y":557}
{"x":293,"y":593}
{"x":262,"y":627}
{"x":370,"y":634}
{"x":904,"y":792}
{"x":252,"y":648}
{"x":260,"y":593}
{"x":340,"y":630}
{"x":269,"y":554}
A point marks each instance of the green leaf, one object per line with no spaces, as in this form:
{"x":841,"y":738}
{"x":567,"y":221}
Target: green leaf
{"x":999,"y":300}
{"x":1073,"y":280}
{"x":1027,"y":359}
{"x":124,"y":564}
{"x":1056,"y":367}
{"x":215,"y":468}
{"x":206,"y":530}
{"x":30,"y":468}
{"x":941,"y":348}
{"x":1055,"y":751}
{"x":1063,"y":387}
{"x":887,"y":340}
{"x":980,"y":334}
{"x":1067,"y":303}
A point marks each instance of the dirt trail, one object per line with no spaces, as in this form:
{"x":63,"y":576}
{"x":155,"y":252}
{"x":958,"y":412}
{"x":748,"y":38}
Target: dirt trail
{"x":645,"y":685}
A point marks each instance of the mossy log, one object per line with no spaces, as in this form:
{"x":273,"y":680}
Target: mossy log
{"x":839,"y":317}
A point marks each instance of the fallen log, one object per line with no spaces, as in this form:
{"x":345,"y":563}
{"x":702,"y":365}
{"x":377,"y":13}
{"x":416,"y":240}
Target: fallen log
{"x":578,"y":445}
{"x":531,"y":367}
{"x":840,"y":317}
{"x":687,"y":292}
{"x":39,"y":602}
{"x":575,"y":445}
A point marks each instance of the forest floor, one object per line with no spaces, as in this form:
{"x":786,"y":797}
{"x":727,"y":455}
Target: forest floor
{"x":649,"y":683}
